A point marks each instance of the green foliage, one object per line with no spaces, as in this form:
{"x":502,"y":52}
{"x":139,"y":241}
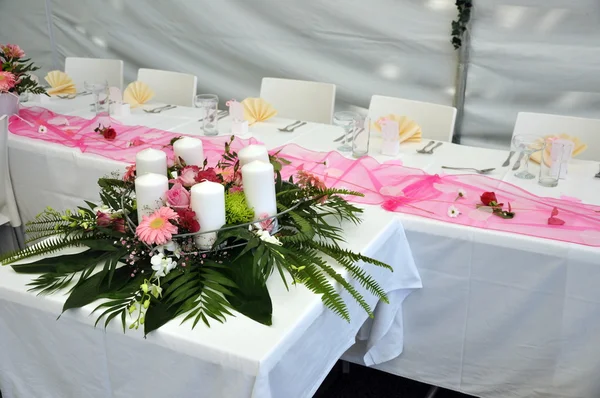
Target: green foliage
{"x":236,"y":209}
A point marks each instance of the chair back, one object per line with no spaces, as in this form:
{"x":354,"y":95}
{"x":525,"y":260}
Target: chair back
{"x":95,"y":70}
{"x":300,"y":100}
{"x":171,"y":88}
{"x":540,"y":124}
{"x":436,"y":121}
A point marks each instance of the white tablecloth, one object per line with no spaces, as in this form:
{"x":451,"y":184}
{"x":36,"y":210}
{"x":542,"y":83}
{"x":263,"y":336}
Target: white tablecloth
{"x":238,"y":359}
{"x":500,"y":315}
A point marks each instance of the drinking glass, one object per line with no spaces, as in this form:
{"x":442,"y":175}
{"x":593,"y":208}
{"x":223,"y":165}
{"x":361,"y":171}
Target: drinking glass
{"x":100,"y":91}
{"x":360,"y":139}
{"x":209,"y":103}
{"x":551,"y":163}
{"x":347,"y":121}
{"x":527,"y":144}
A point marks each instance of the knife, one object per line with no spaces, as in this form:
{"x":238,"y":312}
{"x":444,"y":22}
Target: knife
{"x":518,"y":164}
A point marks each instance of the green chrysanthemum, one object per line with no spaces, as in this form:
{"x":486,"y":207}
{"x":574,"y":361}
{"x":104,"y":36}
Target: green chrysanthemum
{"x":236,"y":209}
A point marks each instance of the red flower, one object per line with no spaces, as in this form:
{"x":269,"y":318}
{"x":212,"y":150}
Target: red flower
{"x":187,"y":220}
{"x":129,"y":173}
{"x":208,"y":175}
{"x":489,"y":199}
{"x":103,"y":219}
{"x":109,"y":133}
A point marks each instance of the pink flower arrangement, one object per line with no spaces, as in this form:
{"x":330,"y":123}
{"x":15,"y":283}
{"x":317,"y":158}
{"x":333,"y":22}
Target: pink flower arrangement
{"x":157,"y":229}
{"x":12,"y":51}
{"x":7,"y":82}
{"x":178,"y":197}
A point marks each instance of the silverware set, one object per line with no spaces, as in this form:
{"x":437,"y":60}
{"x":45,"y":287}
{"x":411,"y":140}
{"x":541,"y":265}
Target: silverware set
{"x":478,"y":171}
{"x":354,"y":133}
{"x":72,"y":96}
{"x":291,"y":127}
{"x":160,"y":109}
{"x":429,"y":151}
{"x":220,"y":115}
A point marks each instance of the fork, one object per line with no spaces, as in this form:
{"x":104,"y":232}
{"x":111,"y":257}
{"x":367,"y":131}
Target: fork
{"x":295,"y":127}
{"x":424,"y":149}
{"x":478,"y":171}
{"x":220,"y":114}
{"x":518,"y":164}
{"x":72,"y":96}
{"x":430,"y":152}
{"x":286,"y":128}
{"x":160,"y":109}
{"x":507,"y":161}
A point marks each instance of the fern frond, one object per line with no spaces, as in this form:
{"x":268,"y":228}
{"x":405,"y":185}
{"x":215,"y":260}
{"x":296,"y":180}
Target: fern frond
{"x":317,"y":282}
{"x":43,"y":248}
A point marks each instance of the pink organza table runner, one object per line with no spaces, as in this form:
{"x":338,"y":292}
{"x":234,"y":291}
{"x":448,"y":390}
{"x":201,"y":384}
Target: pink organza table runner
{"x":77,"y":132}
{"x":391,"y":185}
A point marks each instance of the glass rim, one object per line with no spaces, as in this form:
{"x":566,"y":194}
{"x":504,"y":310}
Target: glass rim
{"x":207,"y":97}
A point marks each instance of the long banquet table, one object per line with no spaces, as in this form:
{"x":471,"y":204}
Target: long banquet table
{"x":500,"y":315}
{"x":240,"y":358}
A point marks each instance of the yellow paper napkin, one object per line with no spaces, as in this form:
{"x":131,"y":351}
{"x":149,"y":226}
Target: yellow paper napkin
{"x":577,"y":148}
{"x":408,"y":129}
{"x":137,"y":93}
{"x":60,"y":83}
{"x":257,"y":110}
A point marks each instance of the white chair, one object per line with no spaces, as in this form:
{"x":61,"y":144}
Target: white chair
{"x":9,"y":212}
{"x":172,"y":88}
{"x":95,"y":70}
{"x":540,"y":124}
{"x":299,"y":99}
{"x":436,"y":121}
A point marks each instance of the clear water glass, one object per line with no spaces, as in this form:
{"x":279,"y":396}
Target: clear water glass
{"x":527,"y":145}
{"x":209,"y":103}
{"x":551,"y":163}
{"x":361,"y":137}
{"x":100,"y":92}
{"x":347,"y":121}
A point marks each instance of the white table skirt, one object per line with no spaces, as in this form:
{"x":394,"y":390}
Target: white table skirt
{"x":500,"y":315}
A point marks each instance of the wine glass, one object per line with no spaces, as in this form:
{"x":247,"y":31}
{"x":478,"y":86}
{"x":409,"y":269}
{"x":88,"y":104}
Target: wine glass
{"x":527,"y":144}
{"x":347,"y":121}
{"x":209,"y":103}
{"x":100,"y":91}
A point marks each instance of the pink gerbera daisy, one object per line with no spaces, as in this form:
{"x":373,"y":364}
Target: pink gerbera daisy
{"x":156,"y":228}
{"x":12,"y":51}
{"x":7,"y":81}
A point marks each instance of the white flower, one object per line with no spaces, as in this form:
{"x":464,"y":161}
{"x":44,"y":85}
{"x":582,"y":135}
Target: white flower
{"x":462,"y":193}
{"x":155,"y":290}
{"x":171,"y":246}
{"x":265,"y":236}
{"x":106,"y":210}
{"x":42,"y":129}
{"x":162,"y":265}
{"x":453,"y":212}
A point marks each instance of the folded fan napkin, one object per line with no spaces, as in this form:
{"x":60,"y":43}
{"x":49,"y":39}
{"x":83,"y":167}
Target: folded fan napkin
{"x":577,"y":149}
{"x":408,"y":129}
{"x":60,"y":83}
{"x":257,"y":110}
{"x":137,"y":93}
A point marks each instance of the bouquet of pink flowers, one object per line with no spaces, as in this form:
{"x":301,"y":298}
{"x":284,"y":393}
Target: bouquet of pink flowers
{"x":15,"y":71}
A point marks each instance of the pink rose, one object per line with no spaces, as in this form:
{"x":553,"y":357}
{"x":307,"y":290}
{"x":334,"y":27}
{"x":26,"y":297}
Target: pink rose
{"x":12,"y":51}
{"x":187,"y":176}
{"x":178,"y":197}
{"x":137,"y":141}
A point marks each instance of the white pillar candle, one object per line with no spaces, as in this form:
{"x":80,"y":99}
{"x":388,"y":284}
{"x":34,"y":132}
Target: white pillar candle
{"x":190,"y":150}
{"x":150,"y":192}
{"x":208,"y":202}
{"x":251,"y":153}
{"x":151,"y":161}
{"x":259,"y":188}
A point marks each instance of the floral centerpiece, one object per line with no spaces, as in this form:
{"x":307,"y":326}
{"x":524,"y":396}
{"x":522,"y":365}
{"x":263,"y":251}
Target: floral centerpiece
{"x":15,"y":78}
{"x":151,"y":265}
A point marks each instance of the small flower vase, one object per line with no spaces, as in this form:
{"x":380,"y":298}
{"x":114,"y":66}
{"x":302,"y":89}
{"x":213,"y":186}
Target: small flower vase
{"x":9,"y":104}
